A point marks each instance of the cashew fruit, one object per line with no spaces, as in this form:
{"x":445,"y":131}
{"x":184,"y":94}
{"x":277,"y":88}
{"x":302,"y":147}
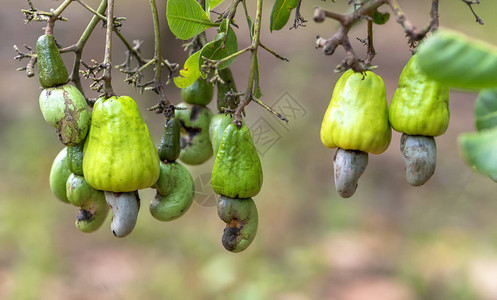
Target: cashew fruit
{"x":51,"y":69}
{"x":218,"y":124}
{"x":200,"y":92}
{"x":75,"y":158}
{"x":175,"y":192}
{"x":348,"y":167}
{"x":241,"y":218}
{"x":196,"y":147}
{"x":119,"y":154}
{"x":93,"y":207}
{"x":59,"y":173}
{"x":237,"y":171}
{"x":170,"y":147}
{"x":420,"y":106}
{"x":456,"y":60}
{"x":420,"y":157}
{"x":357,"y":116}
{"x":65,"y":108}
{"x":125,"y":207}
{"x":229,"y":85}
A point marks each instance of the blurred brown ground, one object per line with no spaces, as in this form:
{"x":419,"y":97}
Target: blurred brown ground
{"x":389,"y":241}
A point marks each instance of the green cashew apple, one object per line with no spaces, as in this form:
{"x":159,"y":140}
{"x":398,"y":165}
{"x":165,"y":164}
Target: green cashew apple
{"x":237,"y":171}
{"x":229,"y":85}
{"x":170,"y":144}
{"x":218,"y":124}
{"x":52,"y":71}
{"x":420,"y":110}
{"x":175,"y":192}
{"x":356,"y":122}
{"x":357,"y":116}
{"x":59,"y":173}
{"x":93,"y":207}
{"x":65,"y":108}
{"x":200,"y":92}
{"x":420,"y":106}
{"x":196,"y":147}
{"x":75,"y":158}
{"x":241,"y":218}
{"x":119,"y":154}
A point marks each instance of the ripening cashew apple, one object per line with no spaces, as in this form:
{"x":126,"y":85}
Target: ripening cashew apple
{"x":194,"y":119}
{"x":420,"y":110}
{"x":65,"y":108}
{"x":356,"y":122}
{"x":119,"y":154}
{"x":237,"y":171}
{"x":218,"y":124}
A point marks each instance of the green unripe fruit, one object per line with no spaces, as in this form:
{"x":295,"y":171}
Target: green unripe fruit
{"x":93,"y":207}
{"x":219,"y":122}
{"x":175,"y":192}
{"x":78,"y":191}
{"x":52,"y":71}
{"x":196,"y":147}
{"x":59,"y":173}
{"x":65,"y":108}
{"x":170,"y":144}
{"x":120,"y":155}
{"x":241,"y":218}
{"x":222,"y":89}
{"x":357,"y":116}
{"x":92,"y":213}
{"x":200,"y":92}
{"x":420,"y":106}
{"x":237,"y":171}
{"x":75,"y":158}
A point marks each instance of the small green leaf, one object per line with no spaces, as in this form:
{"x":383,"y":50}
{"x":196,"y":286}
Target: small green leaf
{"x":214,"y":3}
{"x":220,"y":47}
{"x":190,"y":72}
{"x":486,"y":109}
{"x":455,"y":60}
{"x":281,"y":13}
{"x":186,"y":18}
{"x":380,"y":18}
{"x":480,"y":150}
{"x":250,"y":23}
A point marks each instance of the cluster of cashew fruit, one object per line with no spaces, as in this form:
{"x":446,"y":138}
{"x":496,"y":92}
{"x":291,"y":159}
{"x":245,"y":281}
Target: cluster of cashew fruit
{"x":358,"y":121}
{"x":110,"y":155}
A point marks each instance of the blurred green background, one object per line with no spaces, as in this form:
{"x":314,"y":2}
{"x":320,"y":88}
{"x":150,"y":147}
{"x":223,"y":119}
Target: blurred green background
{"x":389,"y":241}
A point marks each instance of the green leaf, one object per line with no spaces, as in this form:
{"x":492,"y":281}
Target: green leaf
{"x":220,"y":47}
{"x":281,"y":13}
{"x":186,"y":18}
{"x":458,"y":61}
{"x":190,"y":71}
{"x":486,"y":109}
{"x":380,"y":18}
{"x":480,"y":150}
{"x":250,"y":23}
{"x":214,"y":3}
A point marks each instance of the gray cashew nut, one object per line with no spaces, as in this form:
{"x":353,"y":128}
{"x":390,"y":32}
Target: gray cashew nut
{"x":349,"y":166}
{"x":125,"y":208}
{"x":420,"y":157}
